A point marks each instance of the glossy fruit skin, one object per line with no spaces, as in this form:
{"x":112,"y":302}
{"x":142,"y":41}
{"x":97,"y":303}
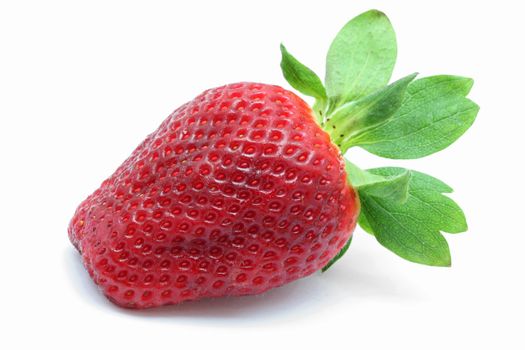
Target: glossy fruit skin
{"x":237,"y":192}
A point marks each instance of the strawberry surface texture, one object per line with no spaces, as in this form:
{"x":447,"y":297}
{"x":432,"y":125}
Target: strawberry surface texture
{"x":237,"y":192}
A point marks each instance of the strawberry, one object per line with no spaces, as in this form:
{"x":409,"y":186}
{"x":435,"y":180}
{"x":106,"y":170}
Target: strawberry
{"x":245,"y":188}
{"x":237,"y":192}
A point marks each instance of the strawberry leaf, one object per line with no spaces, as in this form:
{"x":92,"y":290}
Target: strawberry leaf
{"x":338,"y":255}
{"x":393,"y":188}
{"x":363,"y":223}
{"x":413,"y":230}
{"x":357,"y":117}
{"x":361,"y":58}
{"x":300,"y":77}
{"x":434,"y":114}
{"x":304,"y":80}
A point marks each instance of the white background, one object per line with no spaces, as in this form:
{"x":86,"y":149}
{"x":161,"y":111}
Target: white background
{"x":82,"y":84}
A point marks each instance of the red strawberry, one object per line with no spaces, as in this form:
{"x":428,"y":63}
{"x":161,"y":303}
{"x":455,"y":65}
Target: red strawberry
{"x":241,"y":190}
{"x":237,"y":192}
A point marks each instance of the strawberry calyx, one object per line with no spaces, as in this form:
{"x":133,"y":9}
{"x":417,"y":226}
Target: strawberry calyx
{"x":405,"y":210}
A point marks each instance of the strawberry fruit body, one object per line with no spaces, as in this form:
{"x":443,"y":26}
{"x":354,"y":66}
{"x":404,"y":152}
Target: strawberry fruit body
{"x":237,"y":192}
{"x":245,"y":188}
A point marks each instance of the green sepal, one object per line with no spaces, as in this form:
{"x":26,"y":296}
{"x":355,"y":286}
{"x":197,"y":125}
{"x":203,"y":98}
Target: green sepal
{"x":361,"y":58}
{"x":338,"y":255}
{"x":392,"y":188}
{"x":356,"y":117}
{"x":363,"y":223}
{"x":300,"y":76}
{"x":413,"y":229}
{"x":435,"y":113}
{"x":304,"y":80}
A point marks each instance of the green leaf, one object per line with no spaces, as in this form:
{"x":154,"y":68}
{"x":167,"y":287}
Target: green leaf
{"x":359,"y":177}
{"x":338,"y":255}
{"x":363,"y":222}
{"x":413,"y":230}
{"x":357,"y":117}
{"x":393,"y":188}
{"x":361,"y":58}
{"x":434,"y":114}
{"x":301,"y":77}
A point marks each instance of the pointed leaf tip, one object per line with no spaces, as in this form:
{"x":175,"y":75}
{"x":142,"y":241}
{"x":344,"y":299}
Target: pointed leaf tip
{"x":375,"y":12}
